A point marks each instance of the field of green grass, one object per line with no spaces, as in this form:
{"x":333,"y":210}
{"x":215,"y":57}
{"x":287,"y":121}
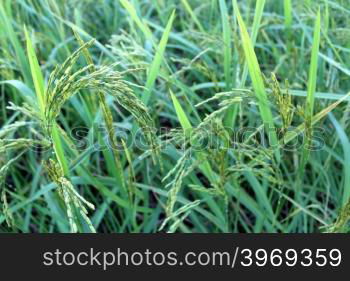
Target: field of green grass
{"x":193,"y":116}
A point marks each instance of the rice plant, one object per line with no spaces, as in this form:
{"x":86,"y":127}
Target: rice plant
{"x":174,"y":116}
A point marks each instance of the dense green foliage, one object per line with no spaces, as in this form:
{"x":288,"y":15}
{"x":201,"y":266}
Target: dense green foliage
{"x":177,"y":116}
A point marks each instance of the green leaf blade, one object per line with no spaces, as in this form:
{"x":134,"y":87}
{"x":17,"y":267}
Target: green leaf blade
{"x":157,"y":61}
{"x":37,"y":75}
{"x":257,"y":79}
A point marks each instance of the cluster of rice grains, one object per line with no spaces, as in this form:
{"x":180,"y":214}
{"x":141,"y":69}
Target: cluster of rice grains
{"x":63,"y":83}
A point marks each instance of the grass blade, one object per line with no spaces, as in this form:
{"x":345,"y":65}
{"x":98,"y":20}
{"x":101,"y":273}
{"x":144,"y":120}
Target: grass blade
{"x":257,"y":80}
{"x":185,"y":123}
{"x":311,"y":89}
{"x":133,"y":14}
{"x":157,"y":60}
{"x":226,"y":36}
{"x":229,"y":81}
{"x":187,"y":128}
{"x":36,"y":73}
{"x":58,"y":148}
{"x":288,"y":15}
{"x":7,"y":28}
{"x":38,"y":81}
{"x":193,"y":15}
{"x":310,"y":97}
{"x":259,"y":9}
{"x":344,"y":139}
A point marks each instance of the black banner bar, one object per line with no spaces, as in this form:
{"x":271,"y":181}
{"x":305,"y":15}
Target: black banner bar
{"x":164,"y":255}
